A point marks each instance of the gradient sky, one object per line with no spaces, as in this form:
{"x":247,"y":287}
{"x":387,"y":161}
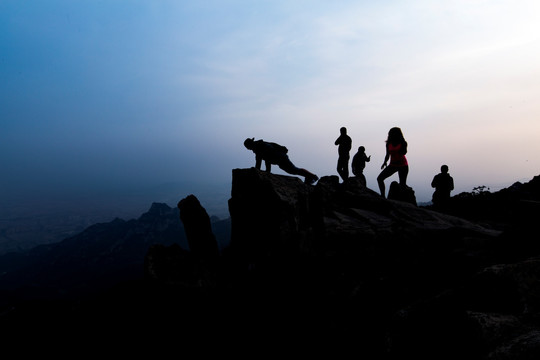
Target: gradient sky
{"x":129,"y":94}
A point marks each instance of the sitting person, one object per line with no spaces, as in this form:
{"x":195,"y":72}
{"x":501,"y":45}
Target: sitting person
{"x":273,"y":153}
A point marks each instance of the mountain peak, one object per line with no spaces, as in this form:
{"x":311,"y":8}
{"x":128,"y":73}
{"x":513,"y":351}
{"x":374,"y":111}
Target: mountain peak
{"x":159,"y":208}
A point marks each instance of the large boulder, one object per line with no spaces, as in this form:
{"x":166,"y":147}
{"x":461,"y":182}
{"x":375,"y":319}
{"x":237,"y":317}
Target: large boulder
{"x":187,"y":268}
{"x":201,"y":239}
{"x":401,"y":193}
{"x":341,"y":265}
{"x":276,"y":214}
{"x":367,"y":267}
{"x":269,"y":213}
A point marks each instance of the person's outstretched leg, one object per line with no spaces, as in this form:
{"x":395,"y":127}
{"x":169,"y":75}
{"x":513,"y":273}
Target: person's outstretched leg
{"x":287,"y":166}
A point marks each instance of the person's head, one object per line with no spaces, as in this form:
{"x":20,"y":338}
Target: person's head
{"x":444,"y":169}
{"x":361,"y":149}
{"x":395,"y":135}
{"x":343,"y":130}
{"x":248,"y":143}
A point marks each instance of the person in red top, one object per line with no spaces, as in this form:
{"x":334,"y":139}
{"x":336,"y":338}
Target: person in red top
{"x":396,"y":148}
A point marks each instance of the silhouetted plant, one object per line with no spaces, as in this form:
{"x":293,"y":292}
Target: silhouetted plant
{"x":480,"y":190}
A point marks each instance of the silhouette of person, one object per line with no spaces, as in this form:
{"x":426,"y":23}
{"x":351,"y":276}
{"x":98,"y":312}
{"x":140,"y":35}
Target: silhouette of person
{"x":443,"y":184}
{"x":359,"y":163}
{"x":396,"y":148}
{"x":273,"y":153}
{"x":344,"y":143}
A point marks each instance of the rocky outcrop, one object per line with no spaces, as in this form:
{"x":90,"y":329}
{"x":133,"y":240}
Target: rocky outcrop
{"x":194,"y":267}
{"x":395,"y":279}
{"x":401,"y":193}
{"x":332,"y":265}
{"x":269,"y":214}
{"x":276,"y":215}
{"x":201,"y":239}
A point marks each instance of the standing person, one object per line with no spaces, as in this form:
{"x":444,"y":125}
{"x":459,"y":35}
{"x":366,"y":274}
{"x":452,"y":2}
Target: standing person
{"x":344,"y":143}
{"x":443,"y":184}
{"x":396,"y":148}
{"x":359,"y":163}
{"x":273,"y":153}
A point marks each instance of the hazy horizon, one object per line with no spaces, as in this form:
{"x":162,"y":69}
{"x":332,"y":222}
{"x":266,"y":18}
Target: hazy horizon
{"x":111,"y":97}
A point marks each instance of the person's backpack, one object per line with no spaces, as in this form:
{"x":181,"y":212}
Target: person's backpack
{"x":280,"y":148}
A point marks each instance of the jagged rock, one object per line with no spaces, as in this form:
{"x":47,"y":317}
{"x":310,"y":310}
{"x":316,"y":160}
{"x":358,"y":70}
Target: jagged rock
{"x":193,"y":268}
{"x":201,"y":239}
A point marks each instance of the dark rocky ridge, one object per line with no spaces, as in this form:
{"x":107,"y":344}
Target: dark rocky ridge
{"x":335,"y":266}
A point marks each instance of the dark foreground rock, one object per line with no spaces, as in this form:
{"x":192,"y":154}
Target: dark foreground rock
{"x":339,"y":266}
{"x":334,"y":267}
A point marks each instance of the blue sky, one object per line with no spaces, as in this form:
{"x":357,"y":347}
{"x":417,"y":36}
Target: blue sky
{"x":129,"y":94}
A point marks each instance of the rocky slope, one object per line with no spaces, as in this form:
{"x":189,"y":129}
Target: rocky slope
{"x":336,"y":267}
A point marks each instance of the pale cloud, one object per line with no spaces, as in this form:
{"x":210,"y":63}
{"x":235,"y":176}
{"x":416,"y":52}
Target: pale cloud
{"x":460,"y":77}
{"x":448,"y":71}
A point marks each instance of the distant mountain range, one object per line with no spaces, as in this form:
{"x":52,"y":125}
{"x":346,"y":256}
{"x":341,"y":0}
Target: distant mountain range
{"x":98,"y":257}
{"x":28,"y":221}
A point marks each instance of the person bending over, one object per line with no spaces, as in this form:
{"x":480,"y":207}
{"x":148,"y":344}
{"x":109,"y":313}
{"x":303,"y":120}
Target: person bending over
{"x":275,"y":154}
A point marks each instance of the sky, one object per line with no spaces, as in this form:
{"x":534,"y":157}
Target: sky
{"x":111,"y":97}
